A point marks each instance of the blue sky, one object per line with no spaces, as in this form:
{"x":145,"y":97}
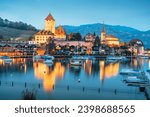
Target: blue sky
{"x":132,"y":13}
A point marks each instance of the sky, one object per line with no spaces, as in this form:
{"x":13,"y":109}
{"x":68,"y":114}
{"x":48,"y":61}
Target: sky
{"x":132,"y":13}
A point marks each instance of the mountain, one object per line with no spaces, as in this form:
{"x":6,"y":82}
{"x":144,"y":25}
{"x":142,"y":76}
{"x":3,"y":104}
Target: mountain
{"x":124,"y":33}
{"x":23,"y":31}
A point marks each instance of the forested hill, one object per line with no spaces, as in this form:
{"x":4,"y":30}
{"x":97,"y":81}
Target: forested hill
{"x":17,"y":25}
{"x":16,"y":30}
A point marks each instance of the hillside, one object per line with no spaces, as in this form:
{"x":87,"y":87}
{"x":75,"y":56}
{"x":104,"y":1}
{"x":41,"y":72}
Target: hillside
{"x":8,"y":33}
{"x":122,"y":32}
{"x":19,"y":30}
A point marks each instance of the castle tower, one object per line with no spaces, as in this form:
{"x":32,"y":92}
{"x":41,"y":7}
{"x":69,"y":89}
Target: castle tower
{"x":50,"y":23}
{"x":103,"y":34}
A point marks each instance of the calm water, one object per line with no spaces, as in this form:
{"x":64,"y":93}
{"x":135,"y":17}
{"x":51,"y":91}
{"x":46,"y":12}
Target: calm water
{"x":93,"y":80}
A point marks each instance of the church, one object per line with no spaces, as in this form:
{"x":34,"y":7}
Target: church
{"x":109,"y":40}
{"x":50,"y":32}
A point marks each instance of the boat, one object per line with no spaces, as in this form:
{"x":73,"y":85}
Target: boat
{"x":37,"y":57}
{"x":114,"y":57}
{"x":6,"y":59}
{"x":144,"y":57}
{"x":124,"y":59}
{"x":76,"y":62}
{"x":77,"y":58}
{"x":48,"y":61}
{"x":130,"y":72}
{"x":136,"y":79}
{"x":47,"y":57}
{"x":111,"y":61}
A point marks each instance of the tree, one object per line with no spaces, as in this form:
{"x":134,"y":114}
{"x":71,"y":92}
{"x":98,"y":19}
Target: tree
{"x":17,"y":25}
{"x":1,"y":22}
{"x":97,"y":41}
{"x":78,"y":36}
{"x":94,"y":34}
{"x":1,"y":37}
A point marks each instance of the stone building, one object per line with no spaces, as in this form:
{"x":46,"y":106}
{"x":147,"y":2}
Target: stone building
{"x":50,"y":32}
{"x":109,"y":40}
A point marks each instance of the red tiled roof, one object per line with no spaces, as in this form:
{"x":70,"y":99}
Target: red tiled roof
{"x":49,"y":17}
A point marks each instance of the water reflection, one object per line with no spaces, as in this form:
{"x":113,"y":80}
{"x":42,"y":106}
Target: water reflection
{"x":137,"y":63}
{"x":60,"y":74}
{"x":109,"y":70}
{"x":18,"y":65}
{"x":48,"y":74}
{"x":88,"y":67}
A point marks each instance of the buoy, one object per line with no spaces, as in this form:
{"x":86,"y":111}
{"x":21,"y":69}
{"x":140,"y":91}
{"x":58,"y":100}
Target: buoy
{"x":78,"y":80}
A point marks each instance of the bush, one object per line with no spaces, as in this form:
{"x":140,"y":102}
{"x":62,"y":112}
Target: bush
{"x":28,"y":95}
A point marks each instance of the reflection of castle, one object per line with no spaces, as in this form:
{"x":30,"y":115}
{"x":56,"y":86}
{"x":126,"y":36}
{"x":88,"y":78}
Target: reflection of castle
{"x":48,"y":75}
{"x":108,"y":71}
{"x":49,"y":32}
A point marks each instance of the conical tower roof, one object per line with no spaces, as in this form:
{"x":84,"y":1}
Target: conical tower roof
{"x":103,"y":28}
{"x":49,"y":17}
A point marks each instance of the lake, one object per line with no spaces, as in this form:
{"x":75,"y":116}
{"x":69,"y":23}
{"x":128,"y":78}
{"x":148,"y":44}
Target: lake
{"x":94,"y":80}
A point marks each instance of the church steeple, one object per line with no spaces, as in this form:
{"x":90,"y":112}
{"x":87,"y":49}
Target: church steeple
{"x":103,"y":28}
{"x":103,"y":33}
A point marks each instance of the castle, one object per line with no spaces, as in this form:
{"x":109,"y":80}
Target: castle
{"x":50,"y":32}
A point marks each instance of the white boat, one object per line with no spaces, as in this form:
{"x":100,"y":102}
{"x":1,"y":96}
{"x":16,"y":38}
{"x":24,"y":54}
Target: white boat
{"x":124,"y":59}
{"x":45,"y":57}
{"x":48,"y":62}
{"x":111,"y":61}
{"x":114,"y":58}
{"x":6,"y":59}
{"x":37,"y":57}
{"x":120,"y":58}
{"x":136,"y":79}
{"x":130,"y":72}
{"x":77,"y":58}
{"x":145,"y":57}
{"x":48,"y":59}
{"x":76,"y":62}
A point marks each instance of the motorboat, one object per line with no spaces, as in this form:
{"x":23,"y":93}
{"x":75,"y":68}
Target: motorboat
{"x":119,"y":58}
{"x":124,"y":59}
{"x":6,"y":59}
{"x":136,"y":79}
{"x":144,"y":57}
{"x":48,"y":61}
{"x":111,"y":61}
{"x":77,"y":58}
{"x":76,"y":62}
{"x":45,"y":57}
{"x":114,"y":57}
{"x":130,"y":72}
{"x":37,"y":57}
